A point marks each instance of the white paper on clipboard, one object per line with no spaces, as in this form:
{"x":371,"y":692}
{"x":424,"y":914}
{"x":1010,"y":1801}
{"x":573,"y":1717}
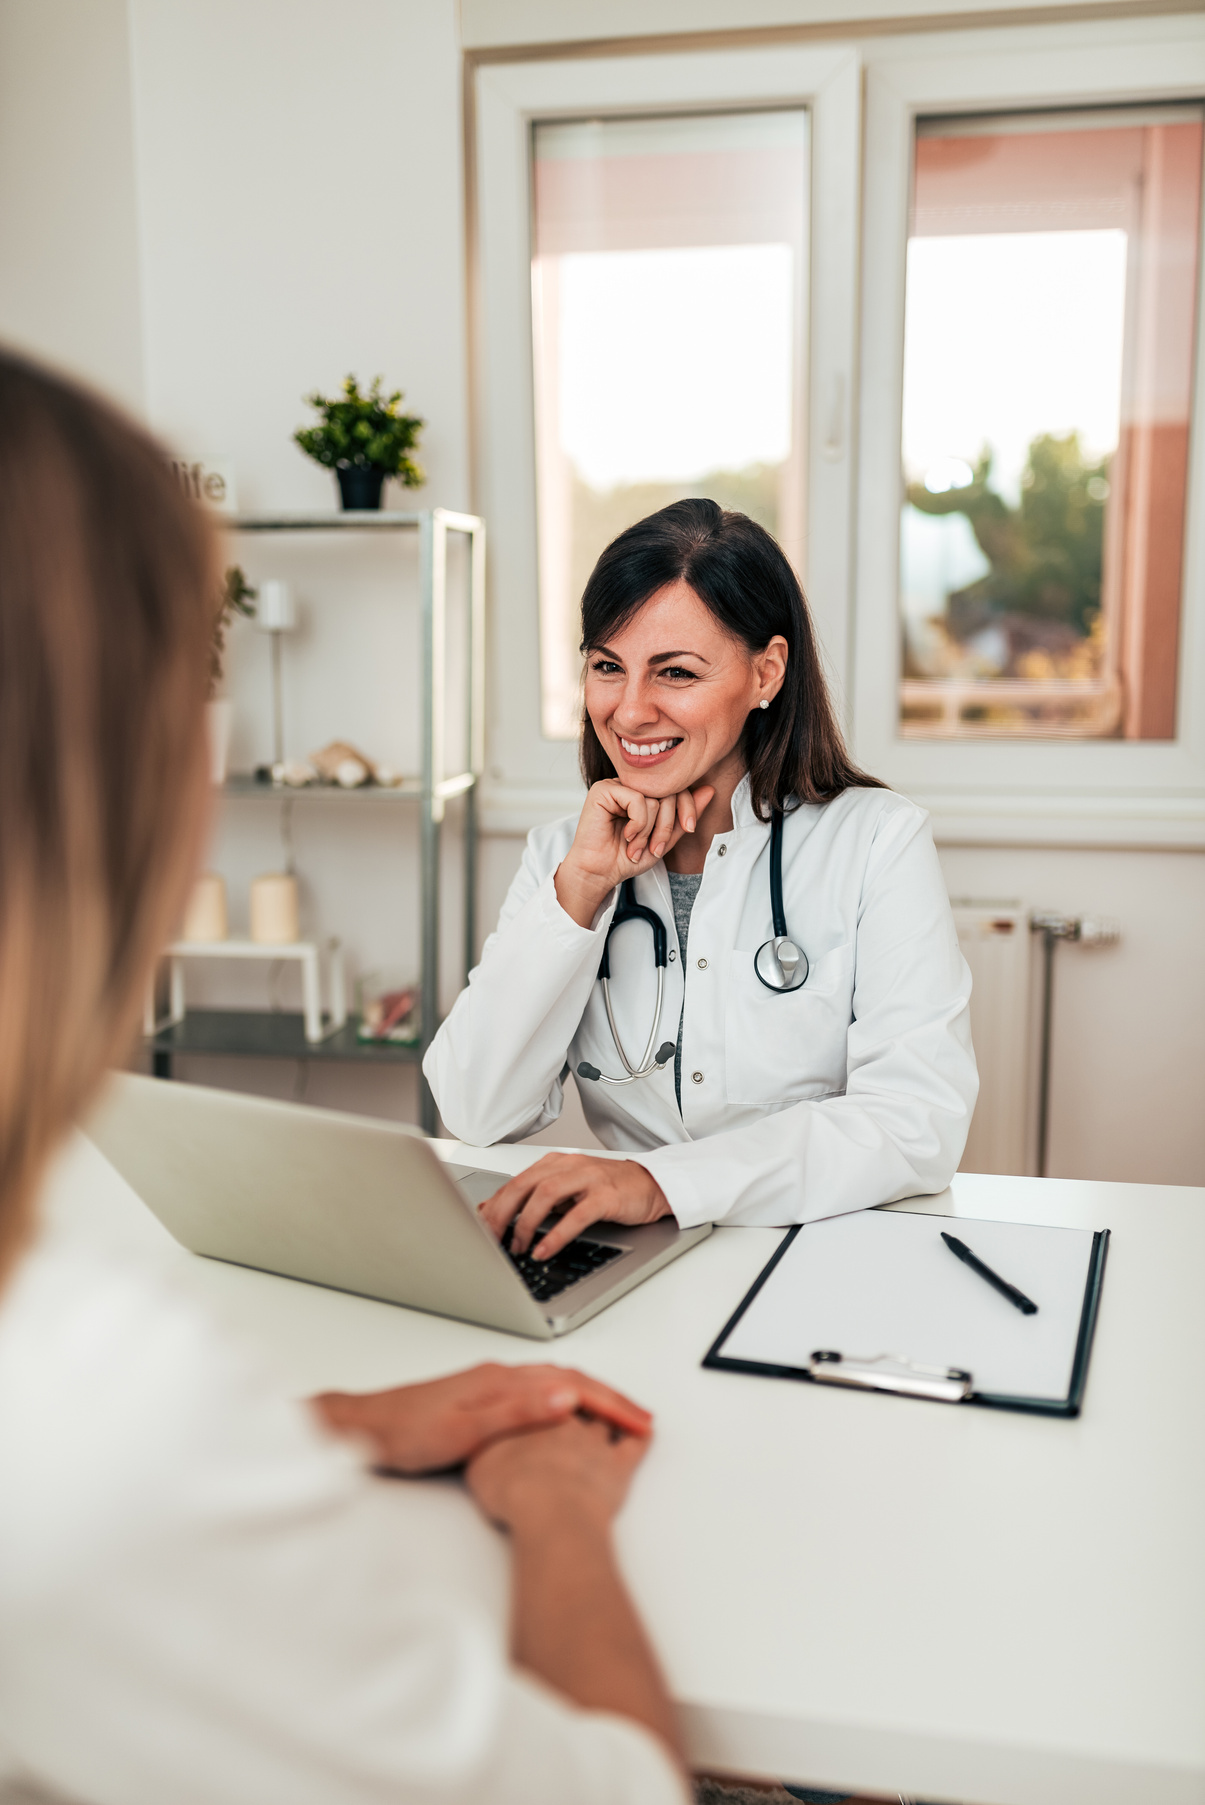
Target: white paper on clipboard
{"x":884,"y":1282}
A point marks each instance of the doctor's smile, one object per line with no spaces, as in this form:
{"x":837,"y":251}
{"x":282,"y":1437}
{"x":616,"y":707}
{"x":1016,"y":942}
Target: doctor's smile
{"x":741,"y":947}
{"x":648,"y":750}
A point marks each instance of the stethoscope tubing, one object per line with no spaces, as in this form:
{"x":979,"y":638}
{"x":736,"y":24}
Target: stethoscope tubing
{"x":647,"y":1063}
{"x":789,"y":960}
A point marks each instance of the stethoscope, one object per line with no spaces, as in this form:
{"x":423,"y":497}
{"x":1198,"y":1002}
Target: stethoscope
{"x":780,"y":964}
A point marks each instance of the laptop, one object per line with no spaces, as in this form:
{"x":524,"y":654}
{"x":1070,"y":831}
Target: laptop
{"x":356,"y":1204}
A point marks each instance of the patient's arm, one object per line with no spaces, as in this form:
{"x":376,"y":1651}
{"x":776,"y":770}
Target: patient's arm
{"x":423,"y":1428}
{"x":557,"y":1490}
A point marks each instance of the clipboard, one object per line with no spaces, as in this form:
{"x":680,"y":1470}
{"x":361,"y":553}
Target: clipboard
{"x":874,"y":1301}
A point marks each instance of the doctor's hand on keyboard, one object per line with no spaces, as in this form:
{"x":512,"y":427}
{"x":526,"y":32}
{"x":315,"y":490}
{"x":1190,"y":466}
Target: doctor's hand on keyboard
{"x":586,"y":1189}
{"x":548,"y":1278}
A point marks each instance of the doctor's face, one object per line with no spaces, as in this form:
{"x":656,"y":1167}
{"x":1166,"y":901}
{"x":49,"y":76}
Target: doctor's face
{"x":669,"y":694}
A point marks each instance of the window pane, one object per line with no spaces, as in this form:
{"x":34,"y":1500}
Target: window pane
{"x":668,"y":292}
{"x":1051,"y":300}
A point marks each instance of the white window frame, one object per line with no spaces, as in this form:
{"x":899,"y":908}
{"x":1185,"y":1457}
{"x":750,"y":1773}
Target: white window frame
{"x":1103,"y":792}
{"x":530,"y":778}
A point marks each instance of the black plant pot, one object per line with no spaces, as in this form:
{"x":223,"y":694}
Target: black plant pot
{"x":360,"y":485}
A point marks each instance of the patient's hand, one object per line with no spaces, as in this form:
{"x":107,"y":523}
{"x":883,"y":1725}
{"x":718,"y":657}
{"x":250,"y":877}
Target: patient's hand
{"x":423,"y":1428}
{"x":576,"y":1473}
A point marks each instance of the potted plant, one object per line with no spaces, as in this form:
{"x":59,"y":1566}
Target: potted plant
{"x":236,"y":598}
{"x":363,"y":437}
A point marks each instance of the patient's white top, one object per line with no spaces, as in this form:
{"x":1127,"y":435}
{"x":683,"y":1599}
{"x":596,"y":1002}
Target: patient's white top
{"x":206,"y":1600}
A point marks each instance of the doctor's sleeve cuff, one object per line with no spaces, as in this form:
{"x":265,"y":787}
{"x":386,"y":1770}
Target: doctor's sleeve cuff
{"x":681,"y":1173}
{"x":495,"y":1063}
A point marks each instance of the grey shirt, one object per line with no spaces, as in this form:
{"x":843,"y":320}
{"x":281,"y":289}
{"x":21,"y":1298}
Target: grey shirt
{"x":683,"y":888}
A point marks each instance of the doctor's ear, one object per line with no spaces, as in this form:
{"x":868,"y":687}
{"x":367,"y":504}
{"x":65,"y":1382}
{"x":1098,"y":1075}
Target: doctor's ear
{"x":770,"y":667}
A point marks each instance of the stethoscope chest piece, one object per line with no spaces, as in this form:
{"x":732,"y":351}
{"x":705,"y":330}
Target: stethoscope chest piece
{"x":780,"y":964}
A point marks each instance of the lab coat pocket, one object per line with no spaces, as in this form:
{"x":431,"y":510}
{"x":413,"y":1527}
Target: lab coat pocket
{"x":784,"y":1047}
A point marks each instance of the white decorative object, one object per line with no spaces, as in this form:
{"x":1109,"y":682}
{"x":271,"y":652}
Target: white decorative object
{"x":275,"y":609}
{"x":206,"y":918}
{"x":351,"y":773}
{"x":219,"y":720}
{"x":294,"y":773}
{"x":342,"y":763}
{"x":275,"y":916}
{"x":305,"y":952}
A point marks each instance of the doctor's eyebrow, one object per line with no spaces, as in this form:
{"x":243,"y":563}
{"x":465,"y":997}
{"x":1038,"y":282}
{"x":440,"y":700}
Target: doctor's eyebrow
{"x":657,"y":657}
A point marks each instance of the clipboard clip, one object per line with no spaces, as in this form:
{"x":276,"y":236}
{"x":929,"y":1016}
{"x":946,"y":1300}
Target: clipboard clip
{"x":891,"y":1372}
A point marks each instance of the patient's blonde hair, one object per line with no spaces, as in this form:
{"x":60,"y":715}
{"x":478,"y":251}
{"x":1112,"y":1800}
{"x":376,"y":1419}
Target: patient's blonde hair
{"x":106,"y":586}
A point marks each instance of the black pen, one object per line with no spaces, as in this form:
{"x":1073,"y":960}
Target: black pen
{"x":1025,"y":1304}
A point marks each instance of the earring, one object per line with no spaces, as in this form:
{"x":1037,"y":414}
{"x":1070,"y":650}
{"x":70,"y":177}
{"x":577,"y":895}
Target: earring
{"x":764,"y":703}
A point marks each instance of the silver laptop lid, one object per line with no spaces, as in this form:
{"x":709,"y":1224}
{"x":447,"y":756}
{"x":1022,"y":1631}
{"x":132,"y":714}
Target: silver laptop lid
{"x":346,"y":1201}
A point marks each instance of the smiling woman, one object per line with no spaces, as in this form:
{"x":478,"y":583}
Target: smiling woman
{"x":722,"y":798}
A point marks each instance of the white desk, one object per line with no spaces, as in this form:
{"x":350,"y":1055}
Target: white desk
{"x":860,"y":1591}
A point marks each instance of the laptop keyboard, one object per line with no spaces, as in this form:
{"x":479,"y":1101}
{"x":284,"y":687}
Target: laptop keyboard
{"x":547,"y":1278}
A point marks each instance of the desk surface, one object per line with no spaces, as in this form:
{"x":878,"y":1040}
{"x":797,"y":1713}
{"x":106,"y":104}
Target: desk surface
{"x":864,"y":1591}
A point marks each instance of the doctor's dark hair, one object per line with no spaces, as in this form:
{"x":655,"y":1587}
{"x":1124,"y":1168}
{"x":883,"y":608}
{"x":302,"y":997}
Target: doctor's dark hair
{"x":793,"y":749}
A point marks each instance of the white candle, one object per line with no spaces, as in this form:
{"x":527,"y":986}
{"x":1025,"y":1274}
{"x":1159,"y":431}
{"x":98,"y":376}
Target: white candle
{"x":275,"y":918}
{"x":205,"y":917}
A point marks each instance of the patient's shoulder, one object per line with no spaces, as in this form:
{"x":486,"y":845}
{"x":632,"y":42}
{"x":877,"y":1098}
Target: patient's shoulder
{"x":129,"y":1419}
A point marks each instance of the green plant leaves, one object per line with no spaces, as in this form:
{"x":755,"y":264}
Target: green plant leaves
{"x":236,"y":597}
{"x":366,"y":428}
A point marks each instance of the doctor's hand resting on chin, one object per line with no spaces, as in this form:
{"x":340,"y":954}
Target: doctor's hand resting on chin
{"x":724,"y":814}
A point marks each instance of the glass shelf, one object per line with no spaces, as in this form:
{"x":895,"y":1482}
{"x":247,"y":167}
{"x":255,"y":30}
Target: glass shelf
{"x":372,"y":520}
{"x":243,"y":786}
{"x":269,"y":1034}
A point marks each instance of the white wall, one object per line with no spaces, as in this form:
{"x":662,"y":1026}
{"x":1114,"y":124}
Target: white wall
{"x":491,"y":24}
{"x":300,"y":199}
{"x":69,"y":280}
{"x":299,"y":175}
{"x":1128,"y":1048}
{"x":296,"y":212}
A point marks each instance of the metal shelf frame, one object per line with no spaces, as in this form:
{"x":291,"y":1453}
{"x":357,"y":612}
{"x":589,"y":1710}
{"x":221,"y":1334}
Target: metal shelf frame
{"x":435,"y":786}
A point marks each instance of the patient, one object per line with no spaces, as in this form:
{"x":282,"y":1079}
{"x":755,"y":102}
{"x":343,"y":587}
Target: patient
{"x":206,"y":1597}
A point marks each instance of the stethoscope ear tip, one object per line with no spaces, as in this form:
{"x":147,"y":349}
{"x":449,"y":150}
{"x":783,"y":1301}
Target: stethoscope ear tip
{"x":665,"y":1052}
{"x":591,"y":1071}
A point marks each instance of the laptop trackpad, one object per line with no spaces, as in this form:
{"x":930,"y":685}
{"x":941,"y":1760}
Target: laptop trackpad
{"x":474,"y":1184}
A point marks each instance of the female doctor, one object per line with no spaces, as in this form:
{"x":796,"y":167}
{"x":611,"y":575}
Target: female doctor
{"x":742,"y":945}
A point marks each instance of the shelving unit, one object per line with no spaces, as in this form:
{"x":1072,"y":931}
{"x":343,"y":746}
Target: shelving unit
{"x":263,"y":1034}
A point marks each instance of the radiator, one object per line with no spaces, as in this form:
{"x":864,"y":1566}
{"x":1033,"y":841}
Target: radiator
{"x":996,"y":943}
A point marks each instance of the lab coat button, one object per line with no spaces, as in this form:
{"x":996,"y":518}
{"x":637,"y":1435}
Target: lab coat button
{"x":702,"y":965}
{"x":722,"y":851}
{"x":673,"y":955}
{"x":697,"y":1076}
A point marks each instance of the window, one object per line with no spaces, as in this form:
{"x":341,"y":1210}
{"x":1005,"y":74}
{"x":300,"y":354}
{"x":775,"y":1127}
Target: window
{"x":1070,"y":152}
{"x":1050,"y":314}
{"x":668,"y":316}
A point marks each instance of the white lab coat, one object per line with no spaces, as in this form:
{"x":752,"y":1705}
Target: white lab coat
{"x":854,"y":1090}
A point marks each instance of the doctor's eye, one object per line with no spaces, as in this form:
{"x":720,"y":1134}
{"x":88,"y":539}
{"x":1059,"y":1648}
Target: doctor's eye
{"x":606,"y":667}
{"x":677,"y":671}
